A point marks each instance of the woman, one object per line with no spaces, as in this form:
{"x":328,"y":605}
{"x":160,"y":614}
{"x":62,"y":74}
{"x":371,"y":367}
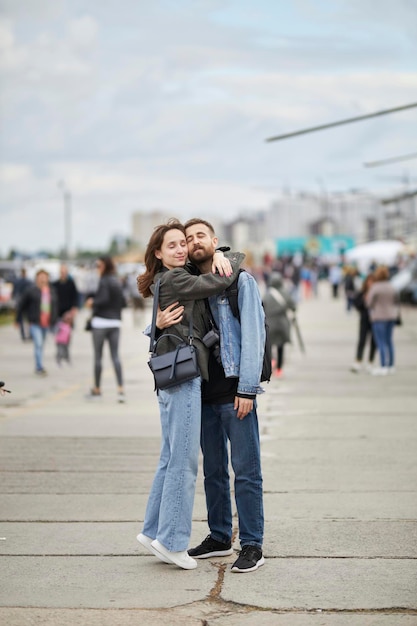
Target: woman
{"x":350,"y":288}
{"x":382,"y":302}
{"x":365,"y":327}
{"x":39,"y":303}
{"x":167,"y":525}
{"x":107,"y":304}
{"x":277,"y":302}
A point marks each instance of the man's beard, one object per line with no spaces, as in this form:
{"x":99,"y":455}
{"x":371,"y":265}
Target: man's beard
{"x":201,"y":255}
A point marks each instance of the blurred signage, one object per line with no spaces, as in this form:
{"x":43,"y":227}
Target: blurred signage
{"x":319,"y":245}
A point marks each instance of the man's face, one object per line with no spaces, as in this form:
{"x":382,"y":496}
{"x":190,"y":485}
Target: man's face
{"x":201,"y":243}
{"x":63,"y":272}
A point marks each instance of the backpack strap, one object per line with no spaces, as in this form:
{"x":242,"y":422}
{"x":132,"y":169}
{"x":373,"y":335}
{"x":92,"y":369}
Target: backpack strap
{"x":232,"y":292}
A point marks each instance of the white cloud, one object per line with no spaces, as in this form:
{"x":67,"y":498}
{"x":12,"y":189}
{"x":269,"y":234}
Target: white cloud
{"x":83,"y":31}
{"x":139,"y":104}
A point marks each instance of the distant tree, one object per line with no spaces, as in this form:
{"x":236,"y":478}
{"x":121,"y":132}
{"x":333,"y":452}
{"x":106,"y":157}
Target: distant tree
{"x":90,"y":255}
{"x":118,"y":245}
{"x":114,"y":247}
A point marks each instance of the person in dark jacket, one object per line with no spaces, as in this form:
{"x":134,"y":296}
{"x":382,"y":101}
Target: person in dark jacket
{"x":277,"y":302}
{"x":350,"y":289}
{"x":39,"y":303}
{"x":107,"y":304}
{"x":365,"y":328}
{"x":68,"y":298}
{"x":19,"y":287}
{"x":67,"y":293}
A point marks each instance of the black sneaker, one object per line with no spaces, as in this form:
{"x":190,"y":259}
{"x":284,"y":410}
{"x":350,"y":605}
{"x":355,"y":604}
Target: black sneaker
{"x":211,"y":547}
{"x":250,"y":558}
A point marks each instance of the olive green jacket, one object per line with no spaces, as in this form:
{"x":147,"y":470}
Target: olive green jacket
{"x":190,"y":291}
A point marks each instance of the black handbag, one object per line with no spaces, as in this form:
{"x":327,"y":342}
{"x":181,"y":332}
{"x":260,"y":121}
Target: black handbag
{"x":174,"y":367}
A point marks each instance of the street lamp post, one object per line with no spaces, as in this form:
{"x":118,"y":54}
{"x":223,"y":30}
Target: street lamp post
{"x":67,"y":218}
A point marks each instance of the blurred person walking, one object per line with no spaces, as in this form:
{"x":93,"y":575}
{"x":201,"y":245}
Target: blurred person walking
{"x":350,"y":287}
{"x":134,"y":298}
{"x":335,"y":278}
{"x":39,"y":303}
{"x":67,"y":291}
{"x":168,"y":517}
{"x":106,"y":304}
{"x":365,"y":327}
{"x":63,"y":332}
{"x":19,"y":287}
{"x":277,"y":303}
{"x":68,"y":301}
{"x":383,"y":303}
{"x":306,"y":283}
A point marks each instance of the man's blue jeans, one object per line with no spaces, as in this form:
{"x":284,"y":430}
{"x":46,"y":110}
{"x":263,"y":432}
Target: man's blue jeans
{"x":169,"y":510}
{"x":218,"y":425}
{"x":383,"y":332}
{"x":38,"y":335}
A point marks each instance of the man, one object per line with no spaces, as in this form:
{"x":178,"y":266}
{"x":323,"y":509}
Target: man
{"x":67,"y":293}
{"x":229,"y":412}
{"x":19,"y":287}
{"x":40,"y":305}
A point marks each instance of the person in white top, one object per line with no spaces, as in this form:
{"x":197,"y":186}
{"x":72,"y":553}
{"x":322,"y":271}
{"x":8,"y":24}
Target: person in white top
{"x":107,"y":304}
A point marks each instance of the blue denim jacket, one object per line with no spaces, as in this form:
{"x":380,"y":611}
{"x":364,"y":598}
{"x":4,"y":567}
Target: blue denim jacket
{"x":242,"y":344}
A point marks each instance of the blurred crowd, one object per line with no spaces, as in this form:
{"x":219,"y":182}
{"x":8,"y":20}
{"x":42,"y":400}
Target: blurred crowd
{"x":284,"y":283}
{"x":43,"y":304}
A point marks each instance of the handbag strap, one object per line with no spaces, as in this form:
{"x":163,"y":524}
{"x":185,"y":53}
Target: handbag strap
{"x":154,"y":312}
{"x":153,"y":323}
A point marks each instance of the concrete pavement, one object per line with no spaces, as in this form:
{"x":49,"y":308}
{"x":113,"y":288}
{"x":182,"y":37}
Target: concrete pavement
{"x":340,"y":475}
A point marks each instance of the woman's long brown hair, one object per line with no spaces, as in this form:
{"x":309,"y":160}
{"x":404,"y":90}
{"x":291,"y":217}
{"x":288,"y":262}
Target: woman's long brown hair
{"x":152,"y":264}
{"x":109,"y":267}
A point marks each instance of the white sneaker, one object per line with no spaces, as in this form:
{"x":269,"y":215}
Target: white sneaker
{"x":182,"y":559}
{"x":356,"y":367}
{"x":380,"y":371}
{"x":147,"y":543}
{"x":369,"y":368}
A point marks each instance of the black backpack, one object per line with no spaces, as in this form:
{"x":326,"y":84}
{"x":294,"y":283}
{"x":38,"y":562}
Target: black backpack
{"x":231,"y":293}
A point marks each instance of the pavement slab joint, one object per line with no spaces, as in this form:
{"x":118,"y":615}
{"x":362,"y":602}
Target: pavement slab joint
{"x":340,"y":476}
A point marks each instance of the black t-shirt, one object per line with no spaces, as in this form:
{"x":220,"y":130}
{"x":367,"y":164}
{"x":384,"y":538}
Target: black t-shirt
{"x":218,"y":389}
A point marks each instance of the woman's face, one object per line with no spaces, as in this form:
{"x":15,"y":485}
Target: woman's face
{"x":100,"y":266}
{"x":173,"y":252}
{"x":42,"y":280}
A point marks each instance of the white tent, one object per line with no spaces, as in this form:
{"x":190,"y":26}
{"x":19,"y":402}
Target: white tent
{"x":383,"y":252}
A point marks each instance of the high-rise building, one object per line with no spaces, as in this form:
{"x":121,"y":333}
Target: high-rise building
{"x":143,"y":224}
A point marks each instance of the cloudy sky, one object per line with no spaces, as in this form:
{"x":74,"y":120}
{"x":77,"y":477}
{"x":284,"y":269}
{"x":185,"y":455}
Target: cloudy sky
{"x":144,"y":104}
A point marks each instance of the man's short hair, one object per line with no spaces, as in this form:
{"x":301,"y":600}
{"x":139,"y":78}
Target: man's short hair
{"x":197,"y":220}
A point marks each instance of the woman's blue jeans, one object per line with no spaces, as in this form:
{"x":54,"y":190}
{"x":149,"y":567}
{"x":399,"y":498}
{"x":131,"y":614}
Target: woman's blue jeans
{"x":38,"y":335}
{"x":383,"y":332}
{"x":218,"y":425}
{"x":169,"y":510}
